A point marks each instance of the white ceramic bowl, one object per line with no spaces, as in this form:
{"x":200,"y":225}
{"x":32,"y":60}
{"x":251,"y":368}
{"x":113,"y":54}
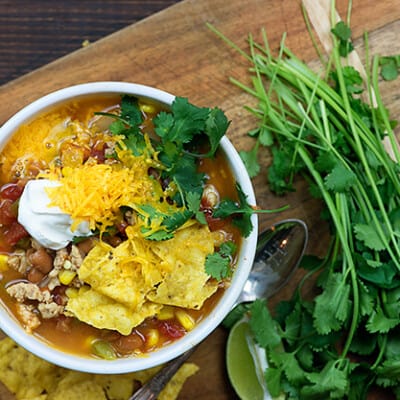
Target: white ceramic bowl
{"x":11,"y":326}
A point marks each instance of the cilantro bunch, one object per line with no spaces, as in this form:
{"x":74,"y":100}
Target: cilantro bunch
{"x":330,"y":128}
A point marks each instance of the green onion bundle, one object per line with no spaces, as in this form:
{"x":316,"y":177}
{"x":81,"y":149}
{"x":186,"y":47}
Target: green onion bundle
{"x":319,"y":125}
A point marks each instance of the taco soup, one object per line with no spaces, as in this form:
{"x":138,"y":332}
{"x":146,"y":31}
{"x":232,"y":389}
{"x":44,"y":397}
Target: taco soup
{"x":120,"y":223}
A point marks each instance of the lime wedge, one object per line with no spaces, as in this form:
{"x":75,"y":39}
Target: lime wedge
{"x":243,"y":364}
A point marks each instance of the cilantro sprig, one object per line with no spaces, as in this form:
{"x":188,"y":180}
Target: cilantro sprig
{"x":345,"y":339}
{"x":218,"y":264}
{"x":240,"y":211}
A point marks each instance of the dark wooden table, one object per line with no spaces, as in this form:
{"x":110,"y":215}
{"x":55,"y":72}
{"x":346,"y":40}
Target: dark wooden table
{"x":175,"y":51}
{"x":35,"y":32}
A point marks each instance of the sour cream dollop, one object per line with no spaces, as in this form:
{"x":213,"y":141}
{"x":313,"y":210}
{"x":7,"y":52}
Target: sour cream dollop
{"x":48,"y":225}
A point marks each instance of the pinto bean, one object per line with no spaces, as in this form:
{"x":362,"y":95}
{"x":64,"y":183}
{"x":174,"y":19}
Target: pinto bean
{"x":34,"y":275}
{"x":85,"y":246}
{"x":41,"y":260}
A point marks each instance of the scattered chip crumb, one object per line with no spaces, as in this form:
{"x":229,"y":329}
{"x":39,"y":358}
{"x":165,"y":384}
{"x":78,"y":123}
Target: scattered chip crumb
{"x":31,"y":378}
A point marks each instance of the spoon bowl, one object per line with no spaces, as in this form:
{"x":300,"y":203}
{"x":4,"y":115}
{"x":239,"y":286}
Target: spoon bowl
{"x":278,"y":254}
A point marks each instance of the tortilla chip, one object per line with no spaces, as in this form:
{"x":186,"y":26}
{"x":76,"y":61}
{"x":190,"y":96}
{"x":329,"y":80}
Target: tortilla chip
{"x":24,"y":374}
{"x":174,"y":386}
{"x":187,"y":284}
{"x":77,"y":385}
{"x":41,"y":397}
{"x":31,"y":378}
{"x":103,"y":312}
{"x":117,"y":387}
{"x":114,"y":273}
{"x":133,"y":280}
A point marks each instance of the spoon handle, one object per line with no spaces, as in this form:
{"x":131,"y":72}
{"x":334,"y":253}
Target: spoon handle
{"x":151,"y":389}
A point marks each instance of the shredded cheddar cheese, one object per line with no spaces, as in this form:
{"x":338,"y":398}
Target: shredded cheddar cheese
{"x":95,"y":192}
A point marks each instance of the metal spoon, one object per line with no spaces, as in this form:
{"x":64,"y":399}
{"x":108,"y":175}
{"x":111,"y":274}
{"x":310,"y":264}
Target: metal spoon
{"x":279,"y":251}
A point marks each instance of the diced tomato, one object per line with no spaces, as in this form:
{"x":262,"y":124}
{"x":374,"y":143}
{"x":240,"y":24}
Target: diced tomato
{"x":213,"y":223}
{"x":11,"y":191}
{"x":14,"y":233}
{"x":171,"y":329}
{"x":121,"y":226}
{"x":98,"y":155}
{"x":98,"y":152}
{"x":7,"y":212}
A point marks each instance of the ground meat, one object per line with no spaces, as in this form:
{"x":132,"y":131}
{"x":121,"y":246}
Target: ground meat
{"x":47,"y":307}
{"x":50,"y":310}
{"x":75,"y":258}
{"x":28,"y":291}
{"x":19,"y":261}
{"x":28,"y":317}
{"x":60,"y":258}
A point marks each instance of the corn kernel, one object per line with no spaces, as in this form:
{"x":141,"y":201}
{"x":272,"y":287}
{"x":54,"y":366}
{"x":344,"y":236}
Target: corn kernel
{"x":147,"y":108}
{"x":152,"y":337}
{"x":71,"y":292}
{"x":185,"y":319}
{"x":66,"y":276}
{"x":165,"y":313}
{"x":3,"y":262}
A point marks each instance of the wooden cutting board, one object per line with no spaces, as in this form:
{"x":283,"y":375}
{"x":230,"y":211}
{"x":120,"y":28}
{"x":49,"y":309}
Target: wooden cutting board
{"x":175,"y":51}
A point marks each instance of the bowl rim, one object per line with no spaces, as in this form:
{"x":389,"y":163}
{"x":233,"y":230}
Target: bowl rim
{"x":30,"y":342}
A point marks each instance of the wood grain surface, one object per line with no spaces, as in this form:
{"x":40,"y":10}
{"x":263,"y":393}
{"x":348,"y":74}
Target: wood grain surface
{"x":34,"y":33}
{"x":175,"y":51}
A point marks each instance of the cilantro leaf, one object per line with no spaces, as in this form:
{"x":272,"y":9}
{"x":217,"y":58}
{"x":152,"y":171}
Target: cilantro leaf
{"x":117,"y":127}
{"x":290,"y":365}
{"x":264,"y":328}
{"x":250,"y":161}
{"x":369,"y":236}
{"x":343,"y":32}
{"x":265,"y":136}
{"x":164,"y":122}
{"x":240,"y":211}
{"x":390,"y":67}
{"x":352,"y":78}
{"x":340,"y":179}
{"x":332,"y":306}
{"x":193,"y":201}
{"x":273,"y":378}
{"x":280,"y":171}
{"x":130,"y":111}
{"x":184,"y":121}
{"x":216,"y":126}
{"x":332,"y":382}
{"x":134,"y":141}
{"x":218,"y":264}
{"x":379,"y":322}
{"x":383,"y":276}
{"x":235,"y":315}
{"x":160,"y":225}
